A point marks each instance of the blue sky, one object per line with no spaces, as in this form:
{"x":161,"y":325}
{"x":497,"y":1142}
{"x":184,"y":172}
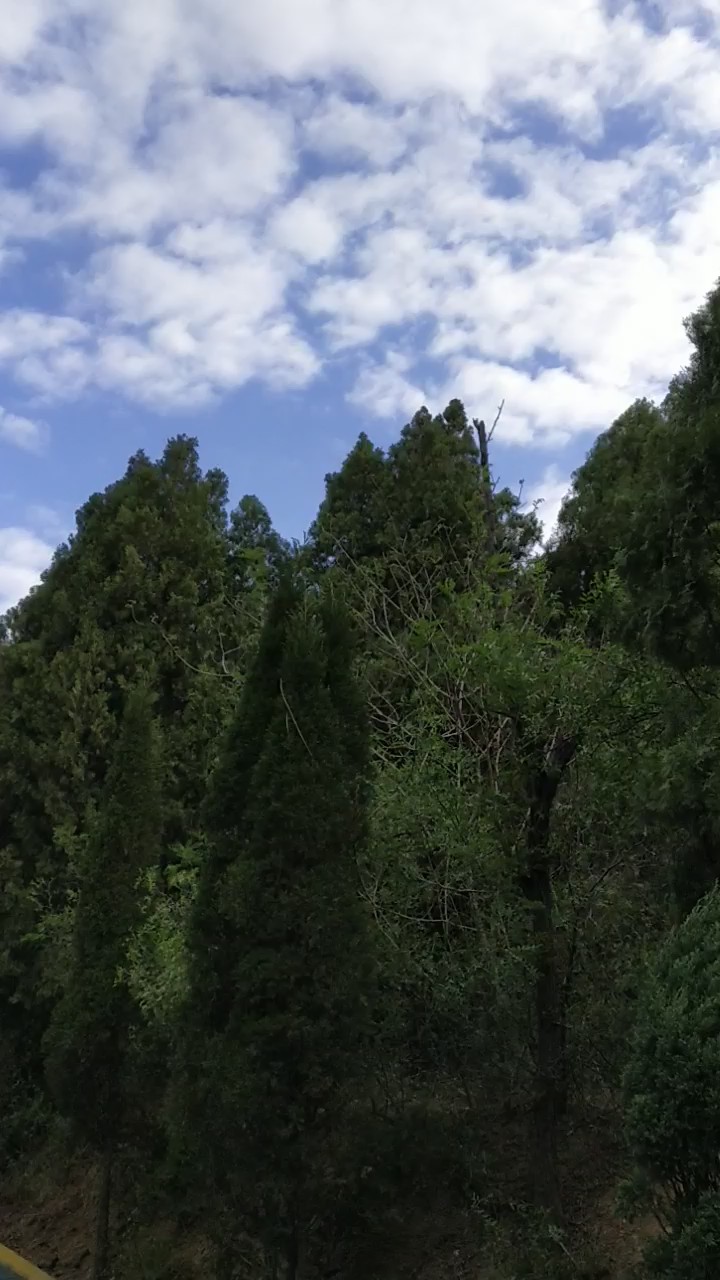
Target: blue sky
{"x":275,"y":225}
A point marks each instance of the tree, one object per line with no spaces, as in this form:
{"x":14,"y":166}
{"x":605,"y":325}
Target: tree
{"x":352,"y":523}
{"x":672,"y":1087}
{"x":88,"y":1042}
{"x":257,"y":552}
{"x":601,"y":505}
{"x":145,"y":589}
{"x":505,"y":713}
{"x":438,"y":506}
{"x":429,"y":500}
{"x":645,"y":504}
{"x":278,"y":1010}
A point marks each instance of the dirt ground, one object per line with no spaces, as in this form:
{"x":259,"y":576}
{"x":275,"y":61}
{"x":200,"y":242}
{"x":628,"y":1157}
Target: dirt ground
{"x":52,"y":1226}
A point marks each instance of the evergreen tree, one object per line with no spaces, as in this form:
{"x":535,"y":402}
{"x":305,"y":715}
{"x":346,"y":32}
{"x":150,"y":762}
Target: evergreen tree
{"x":606,"y":491}
{"x":438,"y":499}
{"x":257,"y":552}
{"x":287,"y":989}
{"x":214,"y":942}
{"x":352,"y":524}
{"x":143,"y":589}
{"x":645,"y":505}
{"x":88,"y":1042}
{"x":672,"y":1086}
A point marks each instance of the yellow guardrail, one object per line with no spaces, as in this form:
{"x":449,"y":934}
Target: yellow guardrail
{"x":17,"y":1266}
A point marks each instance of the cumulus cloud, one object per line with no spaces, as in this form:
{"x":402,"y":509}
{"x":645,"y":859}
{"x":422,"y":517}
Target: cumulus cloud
{"x":385,"y":389}
{"x":262,"y":187}
{"x":23,"y":557}
{"x":20,"y":431}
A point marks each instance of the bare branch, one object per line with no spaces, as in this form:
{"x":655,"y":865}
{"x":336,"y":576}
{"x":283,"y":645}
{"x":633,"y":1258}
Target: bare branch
{"x":498,"y":415}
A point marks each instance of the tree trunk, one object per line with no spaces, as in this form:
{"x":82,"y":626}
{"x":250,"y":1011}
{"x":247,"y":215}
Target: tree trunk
{"x":550,"y":1067}
{"x":486,"y":482}
{"x":102,"y":1221}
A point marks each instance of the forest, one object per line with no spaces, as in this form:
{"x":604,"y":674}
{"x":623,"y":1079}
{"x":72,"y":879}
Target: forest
{"x":359,"y":911}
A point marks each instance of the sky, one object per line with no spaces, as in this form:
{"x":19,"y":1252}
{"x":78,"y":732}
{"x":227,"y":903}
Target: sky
{"x":273,"y":225}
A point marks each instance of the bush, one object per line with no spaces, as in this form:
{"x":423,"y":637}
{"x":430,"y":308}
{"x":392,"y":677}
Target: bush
{"x":672,"y":1086}
{"x":694,"y":1251}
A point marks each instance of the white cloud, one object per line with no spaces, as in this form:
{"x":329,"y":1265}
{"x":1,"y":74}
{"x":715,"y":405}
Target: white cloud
{"x":265,"y":185}
{"x":203,"y":318}
{"x":23,"y":557}
{"x":24,"y":333}
{"x":548,"y":493}
{"x":46,"y":352}
{"x":20,"y":431}
{"x":213,"y":158}
{"x":355,"y":131}
{"x":306,"y":228}
{"x":22,"y":20}
{"x":384,"y":388}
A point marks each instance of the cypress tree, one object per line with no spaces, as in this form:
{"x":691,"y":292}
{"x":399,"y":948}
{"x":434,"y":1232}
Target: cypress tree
{"x":213,"y":939}
{"x":87,"y":1044}
{"x":284,"y":1044}
{"x":352,"y":523}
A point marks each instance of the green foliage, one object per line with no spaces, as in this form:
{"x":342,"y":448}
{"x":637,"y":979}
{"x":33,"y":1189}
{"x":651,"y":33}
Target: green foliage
{"x":425,"y":502}
{"x":87,"y":1042}
{"x":278,"y":1011}
{"x":673,"y":1091}
{"x":154,"y":586}
{"x":157,"y":954}
{"x":645,"y":503}
{"x":694,"y":1251}
{"x":603,"y":501}
{"x":352,"y":521}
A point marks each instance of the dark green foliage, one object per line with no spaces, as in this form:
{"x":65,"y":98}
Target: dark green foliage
{"x":672,"y":1085}
{"x":257,"y":552}
{"x":426,"y":501}
{"x":89,"y":1038}
{"x":603,"y":501}
{"x":697,"y":387}
{"x":152,"y":587}
{"x":353,"y":520}
{"x":645,"y":505}
{"x":437,"y":490}
{"x":694,"y":1251}
{"x":214,"y":940}
{"x":279,"y":1014}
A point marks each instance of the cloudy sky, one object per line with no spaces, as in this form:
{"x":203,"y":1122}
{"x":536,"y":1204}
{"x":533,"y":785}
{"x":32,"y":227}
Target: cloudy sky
{"x":273,"y":223}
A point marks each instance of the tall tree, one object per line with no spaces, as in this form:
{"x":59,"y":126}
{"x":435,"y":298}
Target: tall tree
{"x":352,"y":523}
{"x":87,"y":1043}
{"x":279,"y":1011}
{"x":144,"y":588}
{"x":645,"y":505}
{"x":601,"y":505}
{"x":672,"y":1087}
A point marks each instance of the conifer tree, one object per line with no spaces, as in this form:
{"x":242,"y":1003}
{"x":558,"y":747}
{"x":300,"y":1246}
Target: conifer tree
{"x":213,"y":939}
{"x":672,"y":1097}
{"x":438,"y":502}
{"x":87,"y":1044}
{"x":284,"y":1036}
{"x":352,"y":523}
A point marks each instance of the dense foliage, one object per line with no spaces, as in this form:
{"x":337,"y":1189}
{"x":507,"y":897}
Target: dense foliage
{"x":673,"y":1090}
{"x":368,"y":884}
